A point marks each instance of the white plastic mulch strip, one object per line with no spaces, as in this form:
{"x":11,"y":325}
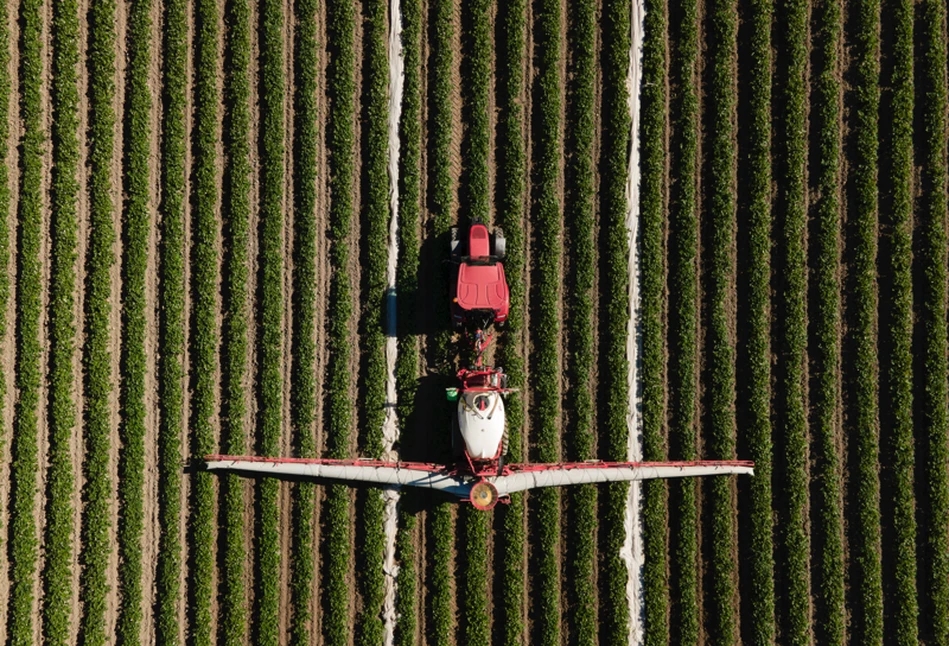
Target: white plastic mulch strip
{"x":390,"y":428}
{"x":632,"y":550}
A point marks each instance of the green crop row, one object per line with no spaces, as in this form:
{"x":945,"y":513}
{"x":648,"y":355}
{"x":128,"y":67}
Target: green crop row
{"x":511,"y":180}
{"x":547,"y":553}
{"x":683,"y":312}
{"x":374,"y":236}
{"x":95,"y":544}
{"x":549,"y":225}
{"x":5,"y":118}
{"x":340,"y":141}
{"x":581,"y":537}
{"x":371,"y":541}
{"x":442,"y":196}
{"x":652,"y":159}
{"x":171,"y":341}
{"x":236,"y":224}
{"x":476,"y":82}
{"x":441,"y":85}
{"x":5,"y":88}
{"x":614,"y":316}
{"x":441,"y":533}
{"x":896,"y":334}
{"x":865,"y":544}
{"x":410,"y":183}
{"x":579,"y":217}
{"x":474,"y":582}
{"x":61,"y":414}
{"x":720,"y":341}
{"x":407,"y":361}
{"x":933,"y":423}
{"x":270,"y":357}
{"x":791,"y":331}
{"x":301,"y":558}
{"x":512,"y":543}
{"x":203,"y":334}
{"x":406,"y":603}
{"x":545,"y":316}
{"x":827,"y":512}
{"x":303,"y":392}
{"x":24,"y":459}
{"x":442,"y":630}
{"x":336,"y":532}
{"x":754,"y":403}
{"x":232,"y":621}
{"x":136,"y":218}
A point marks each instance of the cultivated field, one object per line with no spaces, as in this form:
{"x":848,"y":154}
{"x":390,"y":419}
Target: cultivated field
{"x":194,"y":249}
{"x":793,"y":219}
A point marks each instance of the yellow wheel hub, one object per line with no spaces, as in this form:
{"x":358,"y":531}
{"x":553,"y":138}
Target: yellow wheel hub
{"x":484,"y":495}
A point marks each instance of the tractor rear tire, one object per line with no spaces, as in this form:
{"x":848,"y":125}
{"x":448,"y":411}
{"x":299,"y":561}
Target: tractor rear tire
{"x":500,"y":245}
{"x":455,"y":242}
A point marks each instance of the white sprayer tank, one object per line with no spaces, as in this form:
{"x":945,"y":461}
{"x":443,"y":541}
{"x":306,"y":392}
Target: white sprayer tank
{"x":481,"y":422}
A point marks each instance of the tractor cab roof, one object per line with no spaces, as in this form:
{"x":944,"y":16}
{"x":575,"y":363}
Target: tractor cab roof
{"x":482,"y":286}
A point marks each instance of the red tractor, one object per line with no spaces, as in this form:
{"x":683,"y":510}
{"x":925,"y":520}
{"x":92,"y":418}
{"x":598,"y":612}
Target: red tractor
{"x":479,"y":293}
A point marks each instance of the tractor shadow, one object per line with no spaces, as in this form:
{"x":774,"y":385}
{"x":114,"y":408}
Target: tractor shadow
{"x":426,"y":434}
{"x":422,"y":306}
{"x":426,"y":437}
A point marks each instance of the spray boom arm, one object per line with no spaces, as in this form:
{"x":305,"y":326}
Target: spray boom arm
{"x":514,"y":477}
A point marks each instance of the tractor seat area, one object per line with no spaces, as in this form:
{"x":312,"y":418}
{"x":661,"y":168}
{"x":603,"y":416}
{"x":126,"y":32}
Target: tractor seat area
{"x":482,"y":287}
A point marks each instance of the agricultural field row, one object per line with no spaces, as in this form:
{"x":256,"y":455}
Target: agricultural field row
{"x":193,"y":258}
{"x":199,"y":198}
{"x":303,"y":398}
{"x":793,"y":272}
{"x":235,"y":265}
